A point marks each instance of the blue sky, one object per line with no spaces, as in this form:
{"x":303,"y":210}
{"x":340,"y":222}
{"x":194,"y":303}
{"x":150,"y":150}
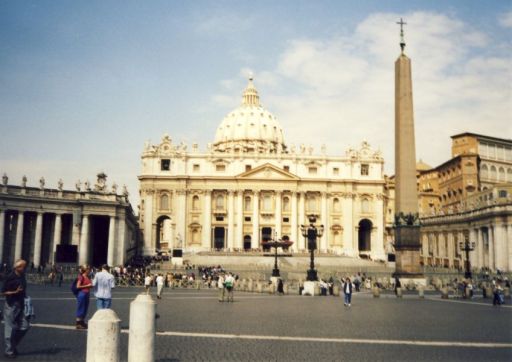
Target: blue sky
{"x":83,"y":84}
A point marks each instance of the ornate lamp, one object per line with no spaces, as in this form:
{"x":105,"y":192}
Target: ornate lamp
{"x":312,"y":232}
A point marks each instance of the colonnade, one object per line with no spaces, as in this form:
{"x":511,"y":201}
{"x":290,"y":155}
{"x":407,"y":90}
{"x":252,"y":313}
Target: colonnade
{"x":80,"y":236}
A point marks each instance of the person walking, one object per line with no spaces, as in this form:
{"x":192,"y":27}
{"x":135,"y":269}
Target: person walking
{"x":103,"y":283}
{"x":147,"y":282}
{"x":230,"y":286}
{"x":83,"y":284}
{"x":222,"y":289}
{"x":16,"y":322}
{"x":347,"y":290}
{"x":280,"y":287}
{"x":159,"y":285}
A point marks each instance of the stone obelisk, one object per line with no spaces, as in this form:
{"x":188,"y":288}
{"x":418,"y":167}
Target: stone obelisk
{"x":407,"y":228}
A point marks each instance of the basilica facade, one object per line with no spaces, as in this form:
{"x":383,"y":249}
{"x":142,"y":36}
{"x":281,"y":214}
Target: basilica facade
{"x":249,"y":186}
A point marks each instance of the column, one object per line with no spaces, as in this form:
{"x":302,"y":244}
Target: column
{"x":207,"y":221}
{"x":325,"y":221}
{"x":450,"y":253}
{"x":509,"y":244}
{"x":121,"y":240}
{"x":111,"y":240}
{"x":295,"y":233}
{"x":500,"y":247}
{"x":149,"y":247}
{"x":57,"y":235}
{"x":255,"y":241}
{"x":19,"y":236}
{"x":302,"y":212}
{"x":491,"y":248}
{"x":2,"y":236}
{"x":181,"y":216}
{"x":480,"y":247}
{"x":279,"y":215}
{"x":473,"y":259}
{"x":378,"y":251}
{"x":83,"y":256}
{"x":239,"y":237}
{"x":38,"y":239}
{"x":231,"y":220}
{"x":348,"y":225}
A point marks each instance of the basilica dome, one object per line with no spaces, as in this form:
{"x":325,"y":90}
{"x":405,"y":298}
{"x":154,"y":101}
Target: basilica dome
{"x":250,"y":127}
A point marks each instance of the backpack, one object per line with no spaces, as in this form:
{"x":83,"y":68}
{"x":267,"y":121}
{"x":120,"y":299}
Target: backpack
{"x":74,"y":288}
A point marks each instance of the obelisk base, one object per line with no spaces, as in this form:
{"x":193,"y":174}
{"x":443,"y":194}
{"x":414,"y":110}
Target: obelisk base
{"x":407,"y":252}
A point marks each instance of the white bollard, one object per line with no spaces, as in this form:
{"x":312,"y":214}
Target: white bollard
{"x":141,"y":341}
{"x":103,"y":337}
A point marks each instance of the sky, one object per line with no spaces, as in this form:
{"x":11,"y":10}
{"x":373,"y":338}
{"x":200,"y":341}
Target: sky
{"x":84,"y":84}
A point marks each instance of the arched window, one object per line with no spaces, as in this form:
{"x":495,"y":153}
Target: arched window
{"x":195,"y":202}
{"x":365,"y":206}
{"x":494,"y":175}
{"x":247,"y":203}
{"x":336,"y":205}
{"x":286,"y":204}
{"x":219,"y":202}
{"x":195,"y":236}
{"x":484,"y":171}
{"x":311,"y":203}
{"x":501,"y":174}
{"x":164,"y":202}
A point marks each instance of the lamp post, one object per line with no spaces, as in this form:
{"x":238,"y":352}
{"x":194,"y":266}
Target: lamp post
{"x":467,"y":246}
{"x":276,"y":244}
{"x":312,"y":232}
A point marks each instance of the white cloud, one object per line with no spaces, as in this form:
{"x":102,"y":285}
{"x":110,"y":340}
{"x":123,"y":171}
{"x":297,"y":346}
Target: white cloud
{"x":340,"y":91}
{"x":505,"y":20}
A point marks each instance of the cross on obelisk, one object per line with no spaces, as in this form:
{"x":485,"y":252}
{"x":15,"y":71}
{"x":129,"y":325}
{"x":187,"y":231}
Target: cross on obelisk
{"x":402,"y":40}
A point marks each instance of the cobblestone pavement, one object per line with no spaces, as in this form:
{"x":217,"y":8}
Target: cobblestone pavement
{"x":194,"y":326}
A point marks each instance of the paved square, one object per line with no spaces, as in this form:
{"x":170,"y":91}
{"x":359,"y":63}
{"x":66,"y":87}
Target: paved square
{"x":194,"y":326}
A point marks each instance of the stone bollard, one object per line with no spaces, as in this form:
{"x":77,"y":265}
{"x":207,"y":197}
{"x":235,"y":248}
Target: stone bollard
{"x":259,"y":287}
{"x":317,"y":289}
{"x":285,"y":289}
{"x":506,"y":292}
{"x":141,"y":340}
{"x":198,"y":285}
{"x":399,"y":292}
{"x":444,"y":292}
{"x":376,"y":292}
{"x":488,"y":292}
{"x":421,"y":291}
{"x":336,"y":290}
{"x":103,"y":337}
{"x":250,"y":286}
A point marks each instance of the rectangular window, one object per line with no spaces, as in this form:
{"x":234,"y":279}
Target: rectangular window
{"x":365,"y":169}
{"x":248,"y":168}
{"x":312,"y":170}
{"x":165,"y":165}
{"x":219,"y":218}
{"x":247,"y":218}
{"x":220,"y":168}
{"x":196,"y":168}
{"x":336,"y":171}
{"x":286,"y":168}
{"x":286,"y":219}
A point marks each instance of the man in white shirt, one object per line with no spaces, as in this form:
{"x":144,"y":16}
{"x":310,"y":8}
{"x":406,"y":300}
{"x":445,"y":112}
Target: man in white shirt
{"x":103,"y":283}
{"x":220,"y":285}
{"x":147,"y":283}
{"x":159,"y":286}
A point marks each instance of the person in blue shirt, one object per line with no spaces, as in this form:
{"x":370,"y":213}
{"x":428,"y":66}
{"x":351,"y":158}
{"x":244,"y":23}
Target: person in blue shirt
{"x":103,"y":283}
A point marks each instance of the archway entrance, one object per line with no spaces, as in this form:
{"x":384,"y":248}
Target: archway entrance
{"x":266,"y":235}
{"x":99,"y":239}
{"x":163,"y":233}
{"x":247,"y":242}
{"x":364,"y":237}
{"x":219,"y":236}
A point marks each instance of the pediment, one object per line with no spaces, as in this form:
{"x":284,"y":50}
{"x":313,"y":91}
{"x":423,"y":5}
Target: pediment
{"x":266,"y":172}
